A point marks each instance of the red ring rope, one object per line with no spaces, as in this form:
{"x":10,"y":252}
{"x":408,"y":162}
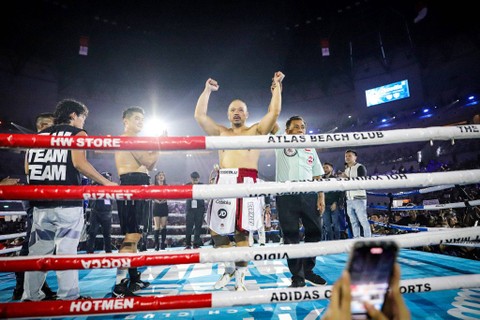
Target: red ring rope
{"x":103,"y":306}
{"x":101,"y":142}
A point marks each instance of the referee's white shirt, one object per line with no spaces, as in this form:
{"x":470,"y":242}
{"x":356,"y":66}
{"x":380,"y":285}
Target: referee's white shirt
{"x":297,"y":164}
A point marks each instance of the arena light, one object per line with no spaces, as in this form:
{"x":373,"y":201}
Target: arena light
{"x":471,"y":101}
{"x":154,"y":128}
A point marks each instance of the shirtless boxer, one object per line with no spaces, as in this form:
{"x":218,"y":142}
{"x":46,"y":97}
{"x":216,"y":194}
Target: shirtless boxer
{"x":236,"y":166}
{"x":132,"y":168}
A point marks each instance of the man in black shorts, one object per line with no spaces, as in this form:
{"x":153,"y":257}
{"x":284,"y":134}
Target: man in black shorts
{"x":133,"y":168}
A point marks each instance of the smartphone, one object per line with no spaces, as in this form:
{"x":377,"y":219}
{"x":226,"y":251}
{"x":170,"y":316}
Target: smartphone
{"x":370,"y":266}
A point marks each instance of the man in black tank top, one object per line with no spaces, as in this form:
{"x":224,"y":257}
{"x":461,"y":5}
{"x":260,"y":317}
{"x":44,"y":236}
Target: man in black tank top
{"x":57,"y":224}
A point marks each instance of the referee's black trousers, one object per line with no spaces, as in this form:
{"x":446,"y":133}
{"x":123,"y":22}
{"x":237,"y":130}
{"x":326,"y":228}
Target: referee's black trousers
{"x":291,"y":210}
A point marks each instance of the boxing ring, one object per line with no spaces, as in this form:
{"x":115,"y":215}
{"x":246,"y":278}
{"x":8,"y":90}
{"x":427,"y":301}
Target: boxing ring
{"x":435,"y":286}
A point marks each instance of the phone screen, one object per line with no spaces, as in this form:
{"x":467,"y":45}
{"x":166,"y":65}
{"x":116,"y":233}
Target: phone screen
{"x":370,"y":268}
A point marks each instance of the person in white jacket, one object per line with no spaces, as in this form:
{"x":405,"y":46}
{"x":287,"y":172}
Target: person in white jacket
{"x":356,"y":199}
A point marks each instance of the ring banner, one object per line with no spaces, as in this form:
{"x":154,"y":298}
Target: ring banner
{"x":325,"y":140}
{"x":212,"y":255}
{"x":209,"y":191}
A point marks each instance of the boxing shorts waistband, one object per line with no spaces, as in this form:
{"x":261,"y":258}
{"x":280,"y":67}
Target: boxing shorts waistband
{"x":135,"y":178}
{"x":235,"y":171}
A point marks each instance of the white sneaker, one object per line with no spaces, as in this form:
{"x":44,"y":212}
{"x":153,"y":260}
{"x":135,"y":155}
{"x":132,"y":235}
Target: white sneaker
{"x":224,"y":280}
{"x":240,"y":280}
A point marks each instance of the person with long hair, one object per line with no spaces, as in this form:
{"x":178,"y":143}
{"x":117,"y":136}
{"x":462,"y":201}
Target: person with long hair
{"x":160,"y":214}
{"x":57,"y":224}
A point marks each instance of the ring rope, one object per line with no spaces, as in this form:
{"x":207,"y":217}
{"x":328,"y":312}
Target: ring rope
{"x":212,"y":255}
{"x":326,"y":140}
{"x":12,"y":213}
{"x":12,"y":236}
{"x":412,"y":192}
{"x":210,"y":300}
{"x":9,"y":250}
{"x":440,"y":206}
{"x":213,"y":191}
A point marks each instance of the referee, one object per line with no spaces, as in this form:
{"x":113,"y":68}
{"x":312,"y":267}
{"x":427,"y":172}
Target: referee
{"x":300,"y":165}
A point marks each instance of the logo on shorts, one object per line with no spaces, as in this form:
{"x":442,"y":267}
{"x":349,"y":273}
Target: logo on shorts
{"x":290,"y":152}
{"x":222,"y":213}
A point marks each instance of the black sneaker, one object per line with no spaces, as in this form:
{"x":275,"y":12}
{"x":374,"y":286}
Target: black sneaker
{"x":49,"y":293}
{"x":121,"y":290}
{"x":297,"y":283}
{"x":137,"y":284}
{"x":315,"y":279}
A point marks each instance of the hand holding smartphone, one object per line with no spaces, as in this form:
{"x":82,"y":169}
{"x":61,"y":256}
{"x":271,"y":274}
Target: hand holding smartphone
{"x":370,"y":266}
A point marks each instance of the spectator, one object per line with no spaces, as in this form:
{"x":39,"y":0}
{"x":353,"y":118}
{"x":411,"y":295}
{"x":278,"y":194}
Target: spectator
{"x":160,"y":214}
{"x":100,"y":216}
{"x":333,"y":200}
{"x":356,"y":199}
{"x":195,"y":216}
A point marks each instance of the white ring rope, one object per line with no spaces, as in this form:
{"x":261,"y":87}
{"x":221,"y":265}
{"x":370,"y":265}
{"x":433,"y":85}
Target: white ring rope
{"x":12,"y":236}
{"x":12,"y":213}
{"x":336,"y":184}
{"x":212,"y":255}
{"x":346,"y":139}
{"x":337,"y":246}
{"x":236,"y":298}
{"x":9,"y":250}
